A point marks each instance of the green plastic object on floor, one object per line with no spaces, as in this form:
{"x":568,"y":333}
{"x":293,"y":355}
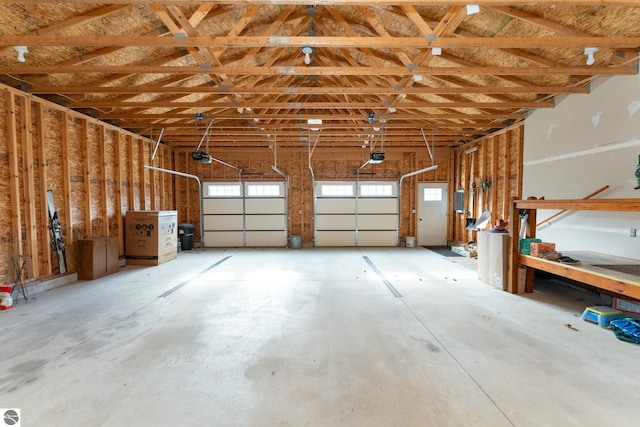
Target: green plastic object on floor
{"x":627,"y":329}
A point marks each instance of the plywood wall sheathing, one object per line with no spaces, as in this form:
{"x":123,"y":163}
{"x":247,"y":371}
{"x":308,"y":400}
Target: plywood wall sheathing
{"x":500,"y":162}
{"x":327,"y":163}
{"x":83,"y":161}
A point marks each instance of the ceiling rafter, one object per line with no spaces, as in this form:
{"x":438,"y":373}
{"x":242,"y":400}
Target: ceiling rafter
{"x":158,"y":63}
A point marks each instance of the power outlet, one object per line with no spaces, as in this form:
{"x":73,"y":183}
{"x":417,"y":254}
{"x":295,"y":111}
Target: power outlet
{"x":632,"y":232}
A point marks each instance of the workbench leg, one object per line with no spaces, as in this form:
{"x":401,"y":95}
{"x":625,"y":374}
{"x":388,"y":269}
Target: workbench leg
{"x":528,"y":282}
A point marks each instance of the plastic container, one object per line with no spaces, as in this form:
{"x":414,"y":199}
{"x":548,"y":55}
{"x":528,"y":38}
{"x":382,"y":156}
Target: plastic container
{"x":601,"y":315}
{"x":295,"y":242}
{"x":186,"y":234}
{"x":410,"y":241}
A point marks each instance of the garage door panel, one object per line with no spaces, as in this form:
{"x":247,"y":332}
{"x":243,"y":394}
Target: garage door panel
{"x":265,"y":222}
{"x":378,"y":206}
{"x":266,"y":238}
{"x":335,"y":238}
{"x":349,"y":213}
{"x":222,"y":239}
{"x":265,"y":206}
{"x":222,"y":206}
{"x":377,"y":222}
{"x":335,"y":206}
{"x":222,"y":222}
{"x":245,"y":214}
{"x":336,"y":222}
{"x":377,"y":238}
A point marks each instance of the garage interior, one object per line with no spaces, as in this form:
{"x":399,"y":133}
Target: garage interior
{"x":302,"y":140}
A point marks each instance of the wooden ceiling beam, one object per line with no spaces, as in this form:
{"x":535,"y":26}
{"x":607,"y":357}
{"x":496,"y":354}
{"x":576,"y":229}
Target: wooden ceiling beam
{"x":392,"y":126}
{"x":343,"y":2}
{"x":128,"y":115}
{"x":306,"y":105}
{"x":298,"y":90}
{"x":301,"y":70}
{"x":325,"y":41}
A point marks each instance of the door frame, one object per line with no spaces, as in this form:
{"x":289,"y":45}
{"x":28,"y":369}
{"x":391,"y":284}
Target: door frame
{"x":445,"y":201}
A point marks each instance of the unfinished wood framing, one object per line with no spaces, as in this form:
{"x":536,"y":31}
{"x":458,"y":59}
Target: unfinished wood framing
{"x":500,"y":165}
{"x":44,"y":147}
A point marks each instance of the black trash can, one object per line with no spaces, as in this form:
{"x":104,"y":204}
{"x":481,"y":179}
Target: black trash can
{"x":186,"y":233}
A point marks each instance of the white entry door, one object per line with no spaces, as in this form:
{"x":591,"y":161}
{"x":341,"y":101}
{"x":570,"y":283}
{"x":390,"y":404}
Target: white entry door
{"x":432,"y":214}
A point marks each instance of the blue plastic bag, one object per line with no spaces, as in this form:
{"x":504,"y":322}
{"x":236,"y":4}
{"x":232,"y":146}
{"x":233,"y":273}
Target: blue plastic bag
{"x":627,"y":329}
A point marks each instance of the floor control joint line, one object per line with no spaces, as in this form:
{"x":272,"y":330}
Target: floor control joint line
{"x":186,"y":282}
{"x":393,"y":290}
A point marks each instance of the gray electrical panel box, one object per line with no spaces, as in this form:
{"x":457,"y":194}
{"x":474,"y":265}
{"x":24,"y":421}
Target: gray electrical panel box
{"x":458,"y":201}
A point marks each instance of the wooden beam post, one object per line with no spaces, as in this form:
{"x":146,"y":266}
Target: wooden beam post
{"x":129,"y":142}
{"x":66,"y":170}
{"x":118,"y":202}
{"x":14,"y":179}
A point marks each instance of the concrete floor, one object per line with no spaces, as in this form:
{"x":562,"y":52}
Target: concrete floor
{"x":312,"y":337}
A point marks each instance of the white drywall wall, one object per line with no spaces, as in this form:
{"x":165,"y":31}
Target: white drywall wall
{"x":576,"y":148}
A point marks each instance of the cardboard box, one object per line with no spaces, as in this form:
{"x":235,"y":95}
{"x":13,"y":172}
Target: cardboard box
{"x":151,"y":237}
{"x":499,"y":244}
{"x":626,"y":305}
{"x":539,"y":249}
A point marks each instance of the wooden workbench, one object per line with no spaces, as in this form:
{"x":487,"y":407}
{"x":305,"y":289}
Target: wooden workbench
{"x":589,"y":269}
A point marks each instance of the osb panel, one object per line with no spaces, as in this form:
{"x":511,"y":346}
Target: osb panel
{"x":123,"y":169}
{"x":6,"y":233}
{"x":95,"y":159}
{"x":111,"y":177}
{"x":136,"y":202}
{"x":77,"y":184}
{"x":41,"y":238}
{"x":48,"y":173}
{"x":144,"y":176}
{"x":500,"y":156}
{"x":328,"y":164}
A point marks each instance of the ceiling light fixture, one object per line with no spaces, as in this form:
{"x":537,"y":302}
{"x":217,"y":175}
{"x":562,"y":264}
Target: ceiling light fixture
{"x":472,"y":9}
{"x":314,"y":122}
{"x":307,"y":52}
{"x":21,"y":51}
{"x":417,"y":77}
{"x":589,"y":51}
{"x":436,"y":51}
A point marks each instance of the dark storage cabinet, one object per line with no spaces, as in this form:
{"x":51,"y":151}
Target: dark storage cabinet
{"x":97,"y":257}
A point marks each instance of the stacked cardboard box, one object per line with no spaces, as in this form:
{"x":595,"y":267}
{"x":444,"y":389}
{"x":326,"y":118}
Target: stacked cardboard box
{"x":627,"y":305}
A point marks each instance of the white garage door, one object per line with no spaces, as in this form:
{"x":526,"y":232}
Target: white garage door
{"x":244,"y":214}
{"x":356,"y":214}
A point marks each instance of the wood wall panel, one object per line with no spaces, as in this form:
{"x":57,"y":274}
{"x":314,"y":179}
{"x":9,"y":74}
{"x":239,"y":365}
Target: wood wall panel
{"x":97,"y":173}
{"x":84,"y":162}
{"x":500,"y":162}
{"x":328,"y":164}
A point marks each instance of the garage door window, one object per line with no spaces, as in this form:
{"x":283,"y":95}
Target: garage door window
{"x":376,"y":190}
{"x":336,"y":190}
{"x":223,"y":190}
{"x":263,"y":190}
